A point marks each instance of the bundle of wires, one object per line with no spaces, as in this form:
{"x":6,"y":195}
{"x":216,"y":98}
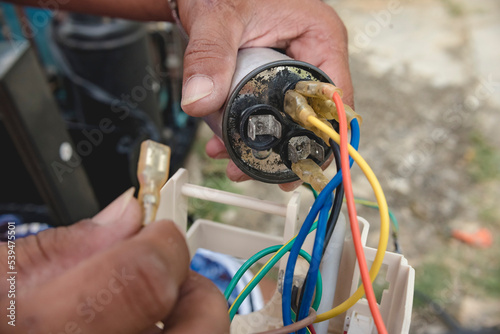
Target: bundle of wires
{"x":325,"y":225}
{"x":320,"y":204}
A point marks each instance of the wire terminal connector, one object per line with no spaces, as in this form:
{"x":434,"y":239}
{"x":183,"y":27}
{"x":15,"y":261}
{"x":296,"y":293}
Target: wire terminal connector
{"x":319,"y":89}
{"x":298,"y":108}
{"x":320,"y":97}
{"x":308,"y":171}
{"x":152,"y":172}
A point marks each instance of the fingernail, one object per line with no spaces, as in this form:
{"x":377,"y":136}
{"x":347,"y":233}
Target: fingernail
{"x":115,"y":209}
{"x":196,"y":88}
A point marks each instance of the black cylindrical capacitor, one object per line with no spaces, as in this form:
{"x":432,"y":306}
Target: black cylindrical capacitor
{"x":255,"y":129}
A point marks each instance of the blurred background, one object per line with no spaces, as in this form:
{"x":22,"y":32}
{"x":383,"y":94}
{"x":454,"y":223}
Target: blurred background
{"x":427,"y":84}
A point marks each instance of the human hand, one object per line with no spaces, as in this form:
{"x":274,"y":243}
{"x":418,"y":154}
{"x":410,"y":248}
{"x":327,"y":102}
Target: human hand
{"x":107,"y":275}
{"x":310,"y":32}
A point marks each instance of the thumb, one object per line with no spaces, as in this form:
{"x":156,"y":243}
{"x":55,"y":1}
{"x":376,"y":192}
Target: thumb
{"x":53,"y":251}
{"x":215,"y":30}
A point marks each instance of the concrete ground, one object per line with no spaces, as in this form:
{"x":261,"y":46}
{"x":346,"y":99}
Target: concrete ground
{"x":427,"y":81}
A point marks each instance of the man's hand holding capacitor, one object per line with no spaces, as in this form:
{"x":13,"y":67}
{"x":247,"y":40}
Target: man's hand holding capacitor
{"x":308,"y":31}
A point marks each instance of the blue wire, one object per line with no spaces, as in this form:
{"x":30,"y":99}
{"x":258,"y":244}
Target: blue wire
{"x":311,"y":216}
{"x":317,"y":253}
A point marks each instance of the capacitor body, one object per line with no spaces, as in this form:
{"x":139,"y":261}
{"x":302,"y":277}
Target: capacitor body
{"x":256,"y":131}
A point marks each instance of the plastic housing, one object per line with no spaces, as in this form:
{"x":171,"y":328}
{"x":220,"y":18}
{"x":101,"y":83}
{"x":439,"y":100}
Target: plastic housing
{"x":397,"y":299}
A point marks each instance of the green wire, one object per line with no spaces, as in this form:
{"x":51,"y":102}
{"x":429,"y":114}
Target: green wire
{"x":265,"y":270}
{"x":252,"y":260}
{"x":244,"y":268}
{"x":392,"y":217}
{"x":374,"y":205}
{"x":246,"y":292}
{"x":315,"y":193}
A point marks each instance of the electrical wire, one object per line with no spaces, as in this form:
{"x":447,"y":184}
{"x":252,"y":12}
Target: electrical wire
{"x":295,"y":293}
{"x":337,"y":201}
{"x":353,"y":218}
{"x":295,"y":317}
{"x":301,"y":236}
{"x":335,"y":212}
{"x":278,"y":249}
{"x":294,"y":327}
{"x":370,"y":204}
{"x":246,"y":265}
{"x":384,"y":216}
{"x":264,"y":270}
{"x":315,"y":193}
{"x":317,"y":254}
{"x":392,"y":217}
{"x":336,"y":208}
{"x":318,"y":205}
{"x":261,"y":273}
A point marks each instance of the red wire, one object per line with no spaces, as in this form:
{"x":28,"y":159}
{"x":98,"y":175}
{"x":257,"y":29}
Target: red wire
{"x":353,"y":217}
{"x":311,"y":329}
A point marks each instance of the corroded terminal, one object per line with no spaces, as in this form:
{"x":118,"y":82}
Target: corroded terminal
{"x":152,"y":172}
{"x":302,"y":147}
{"x":263,"y":125}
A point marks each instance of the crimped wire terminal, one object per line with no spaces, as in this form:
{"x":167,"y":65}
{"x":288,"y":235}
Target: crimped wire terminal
{"x":319,"y":89}
{"x":308,"y":171}
{"x":320,"y":97}
{"x":152,"y":172}
{"x":297,"y":107}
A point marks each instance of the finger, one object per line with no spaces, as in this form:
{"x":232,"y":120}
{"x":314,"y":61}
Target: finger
{"x":291,"y":186}
{"x":216,"y":149}
{"x":125,"y":289}
{"x":153,"y":329}
{"x":53,"y":251}
{"x":235,"y":174}
{"x":215,"y":29}
{"x":201,"y":309}
{"x":315,"y":34}
{"x":325,"y":46}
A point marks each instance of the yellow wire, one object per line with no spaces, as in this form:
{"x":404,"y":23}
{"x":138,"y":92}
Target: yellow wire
{"x":384,"y":224}
{"x":248,"y":284}
{"x":384,"y":229}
